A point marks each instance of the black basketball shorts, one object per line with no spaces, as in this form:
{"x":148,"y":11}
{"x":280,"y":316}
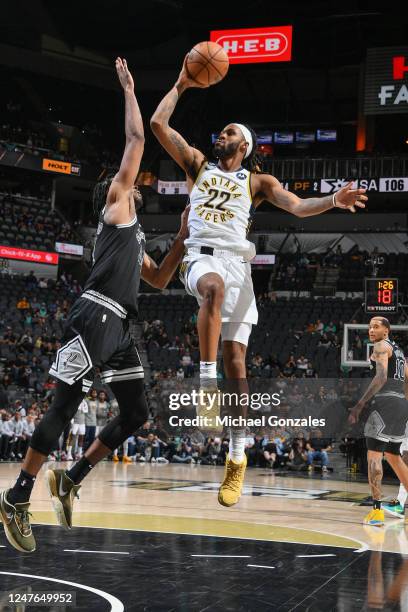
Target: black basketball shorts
{"x":388,"y":418}
{"x":96,"y":336}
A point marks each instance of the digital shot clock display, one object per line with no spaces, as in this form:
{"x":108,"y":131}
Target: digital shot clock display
{"x":381,"y":295}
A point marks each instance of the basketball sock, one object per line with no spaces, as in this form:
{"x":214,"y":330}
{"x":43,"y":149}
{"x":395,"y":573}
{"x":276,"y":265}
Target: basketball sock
{"x":208,"y":373}
{"x":377,"y":504}
{"x":237,"y":445}
{"x":78,"y":471}
{"x":402,"y":495}
{"x":21,"y":491}
{"x":125,"y":448}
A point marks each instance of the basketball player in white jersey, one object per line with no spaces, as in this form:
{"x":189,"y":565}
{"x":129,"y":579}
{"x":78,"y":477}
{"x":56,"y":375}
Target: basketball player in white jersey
{"x":217,"y":271}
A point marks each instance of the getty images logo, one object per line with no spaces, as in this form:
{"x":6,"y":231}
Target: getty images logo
{"x":387,"y":92}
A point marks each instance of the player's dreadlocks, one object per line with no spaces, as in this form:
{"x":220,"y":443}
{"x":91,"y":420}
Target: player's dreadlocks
{"x":253,"y":162}
{"x":100,"y":192}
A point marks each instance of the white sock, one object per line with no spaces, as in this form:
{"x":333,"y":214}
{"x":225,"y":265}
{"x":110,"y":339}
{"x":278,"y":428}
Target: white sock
{"x":125,"y":448}
{"x":115,"y":452}
{"x":402,"y":495}
{"x":208,"y":372}
{"x":237,"y":445}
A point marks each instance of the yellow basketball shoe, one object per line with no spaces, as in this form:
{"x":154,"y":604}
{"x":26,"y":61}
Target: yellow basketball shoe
{"x":374,"y":517}
{"x":231,"y":488}
{"x":126,"y":459}
{"x":208,"y":409}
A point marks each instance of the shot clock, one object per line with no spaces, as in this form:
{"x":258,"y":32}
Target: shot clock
{"x":381,"y":295}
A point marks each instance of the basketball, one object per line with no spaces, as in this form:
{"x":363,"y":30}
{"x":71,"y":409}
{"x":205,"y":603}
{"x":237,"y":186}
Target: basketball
{"x":207,"y":63}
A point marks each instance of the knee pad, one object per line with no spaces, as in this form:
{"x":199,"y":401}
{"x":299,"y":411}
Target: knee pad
{"x":133,"y":413}
{"x":65,"y":404}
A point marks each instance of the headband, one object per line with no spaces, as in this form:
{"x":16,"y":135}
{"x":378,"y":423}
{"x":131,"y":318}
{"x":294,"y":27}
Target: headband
{"x":248,"y":138}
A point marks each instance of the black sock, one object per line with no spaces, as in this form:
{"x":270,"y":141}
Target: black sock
{"x":377,"y":504}
{"x":78,"y":471}
{"x":21,"y":491}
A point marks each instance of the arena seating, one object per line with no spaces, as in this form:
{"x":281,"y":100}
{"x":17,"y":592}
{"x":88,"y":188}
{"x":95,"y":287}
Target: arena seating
{"x":31,"y":224}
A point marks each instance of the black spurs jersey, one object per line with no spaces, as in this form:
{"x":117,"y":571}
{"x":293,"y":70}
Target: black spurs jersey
{"x":117,"y":260}
{"x":395,"y":373}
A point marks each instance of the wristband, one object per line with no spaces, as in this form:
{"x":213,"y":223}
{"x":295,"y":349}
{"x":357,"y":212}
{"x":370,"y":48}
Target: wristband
{"x":334,"y":200}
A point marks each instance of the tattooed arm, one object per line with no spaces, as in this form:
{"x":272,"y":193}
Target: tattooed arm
{"x":381,"y":354}
{"x":187,"y":157}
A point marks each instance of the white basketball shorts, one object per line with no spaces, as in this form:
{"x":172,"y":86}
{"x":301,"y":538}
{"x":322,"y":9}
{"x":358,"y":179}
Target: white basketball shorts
{"x":78,"y":428}
{"x":239,"y":304}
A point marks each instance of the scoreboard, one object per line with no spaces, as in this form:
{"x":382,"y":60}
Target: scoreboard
{"x":381,"y":295}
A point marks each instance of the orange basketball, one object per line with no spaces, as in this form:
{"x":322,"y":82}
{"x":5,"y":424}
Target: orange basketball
{"x":207,"y":63}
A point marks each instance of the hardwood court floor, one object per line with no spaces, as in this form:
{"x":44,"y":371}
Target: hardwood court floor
{"x":155,"y":538}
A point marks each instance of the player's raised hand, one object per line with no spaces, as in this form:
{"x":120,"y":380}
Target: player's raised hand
{"x":184,"y":79}
{"x":349,"y":198}
{"x":125,"y":78}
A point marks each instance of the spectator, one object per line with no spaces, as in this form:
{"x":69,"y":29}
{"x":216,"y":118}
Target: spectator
{"x":6,"y":436}
{"x":28,"y":430}
{"x":319,"y":326}
{"x":317,"y":449}
{"x":183,"y":452}
{"x":330,"y":328}
{"x":270,"y":453}
{"x":254,"y":451}
{"x":187,"y":364}
{"x":17,"y":425}
{"x":23,"y":304}
{"x":310,"y":371}
{"x":301,"y":364}
{"x":102,"y":409}
{"x":298,"y":453}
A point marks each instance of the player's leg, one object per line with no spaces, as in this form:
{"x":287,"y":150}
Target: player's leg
{"x":396,"y":507}
{"x":127,"y":386}
{"x":399,"y":466}
{"x":235,"y":338}
{"x":403,"y":493}
{"x":203,"y":279}
{"x":14,"y":502}
{"x":210,"y":286}
{"x":375,"y":450}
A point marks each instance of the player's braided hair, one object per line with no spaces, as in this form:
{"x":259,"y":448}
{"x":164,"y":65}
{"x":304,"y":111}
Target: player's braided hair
{"x":100,"y":192}
{"x":253,"y":162}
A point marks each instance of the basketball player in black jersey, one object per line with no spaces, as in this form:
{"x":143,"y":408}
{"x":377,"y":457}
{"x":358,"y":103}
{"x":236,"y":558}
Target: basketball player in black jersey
{"x":386,"y":424}
{"x":97,"y":336}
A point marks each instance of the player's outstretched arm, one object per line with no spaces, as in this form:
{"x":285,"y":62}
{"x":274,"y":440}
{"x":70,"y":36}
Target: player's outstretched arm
{"x":130,"y":164}
{"x":160,"y":275}
{"x":271,"y":189}
{"x":118,"y":196}
{"x":187,"y":157}
{"x":381,"y":353}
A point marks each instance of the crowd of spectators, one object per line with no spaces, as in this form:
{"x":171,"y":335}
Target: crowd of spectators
{"x":31,"y":221}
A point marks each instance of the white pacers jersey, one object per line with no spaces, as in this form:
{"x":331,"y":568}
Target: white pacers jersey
{"x":221,"y":210}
